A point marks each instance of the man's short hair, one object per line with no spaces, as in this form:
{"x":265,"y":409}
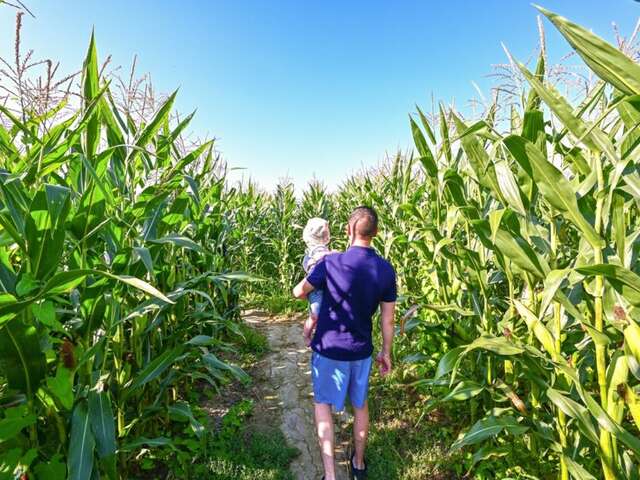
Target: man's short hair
{"x":364,"y":222}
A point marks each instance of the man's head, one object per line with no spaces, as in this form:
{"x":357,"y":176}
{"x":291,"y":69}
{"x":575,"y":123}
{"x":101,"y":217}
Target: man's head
{"x":363,"y":225}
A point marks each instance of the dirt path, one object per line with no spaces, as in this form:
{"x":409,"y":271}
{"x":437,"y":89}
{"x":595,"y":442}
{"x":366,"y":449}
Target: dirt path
{"x":288,"y":390}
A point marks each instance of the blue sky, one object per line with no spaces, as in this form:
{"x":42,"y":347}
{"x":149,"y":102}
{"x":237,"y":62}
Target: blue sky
{"x":304,"y":88}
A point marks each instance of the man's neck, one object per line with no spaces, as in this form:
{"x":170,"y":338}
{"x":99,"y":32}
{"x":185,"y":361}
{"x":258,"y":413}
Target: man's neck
{"x":358,"y":242}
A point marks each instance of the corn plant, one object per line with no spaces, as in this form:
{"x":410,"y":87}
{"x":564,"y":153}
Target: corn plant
{"x":99,"y":215}
{"x":538,"y":227}
{"x":518,"y":241}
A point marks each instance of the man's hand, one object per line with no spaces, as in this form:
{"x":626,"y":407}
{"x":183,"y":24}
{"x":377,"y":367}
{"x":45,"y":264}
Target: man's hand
{"x":384,"y":363}
{"x":387,"y":314}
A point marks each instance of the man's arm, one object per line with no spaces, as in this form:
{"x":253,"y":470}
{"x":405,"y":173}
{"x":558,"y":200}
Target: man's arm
{"x":387,"y":320}
{"x":314,"y":280}
{"x":303,"y":289}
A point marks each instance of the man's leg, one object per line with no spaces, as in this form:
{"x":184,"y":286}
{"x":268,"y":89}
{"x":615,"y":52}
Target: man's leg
{"x":324,"y":426}
{"x":360,"y":433}
{"x":358,"y":391}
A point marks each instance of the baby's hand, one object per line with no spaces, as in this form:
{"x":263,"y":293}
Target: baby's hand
{"x":309,"y":326}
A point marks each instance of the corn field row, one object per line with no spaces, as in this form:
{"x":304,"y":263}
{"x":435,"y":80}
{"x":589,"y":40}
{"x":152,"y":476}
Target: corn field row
{"x":515,"y":242}
{"x":117,"y":291}
{"x":518,"y":243}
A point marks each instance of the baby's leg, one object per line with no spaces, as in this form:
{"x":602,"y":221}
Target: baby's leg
{"x":315,"y":301}
{"x":310,"y":323}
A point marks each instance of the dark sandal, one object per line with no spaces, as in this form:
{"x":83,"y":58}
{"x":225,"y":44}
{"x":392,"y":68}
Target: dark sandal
{"x":357,"y":473}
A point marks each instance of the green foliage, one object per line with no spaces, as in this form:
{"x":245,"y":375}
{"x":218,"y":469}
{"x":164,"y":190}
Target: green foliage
{"x":537,"y":274}
{"x":239,"y":449}
{"x":518,"y":243}
{"x":101,"y":335}
{"x":515,"y":243}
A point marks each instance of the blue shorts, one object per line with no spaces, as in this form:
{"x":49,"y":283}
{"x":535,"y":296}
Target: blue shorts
{"x":315,"y":300}
{"x":334,"y":379}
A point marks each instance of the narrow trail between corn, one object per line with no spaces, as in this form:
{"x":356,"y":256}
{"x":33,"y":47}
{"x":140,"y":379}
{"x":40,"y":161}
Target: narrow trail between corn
{"x":288,"y":393}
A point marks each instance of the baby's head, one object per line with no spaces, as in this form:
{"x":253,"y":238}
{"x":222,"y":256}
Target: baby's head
{"x":316,"y":232}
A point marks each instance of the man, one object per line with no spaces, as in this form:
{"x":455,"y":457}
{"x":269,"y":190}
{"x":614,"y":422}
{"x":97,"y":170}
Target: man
{"x":354,"y":284}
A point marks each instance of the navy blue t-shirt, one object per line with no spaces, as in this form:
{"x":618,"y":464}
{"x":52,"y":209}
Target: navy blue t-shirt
{"x":353,"y":285}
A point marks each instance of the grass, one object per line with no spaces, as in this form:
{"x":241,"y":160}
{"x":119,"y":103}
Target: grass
{"x":246,"y":450}
{"x":244,"y":446}
{"x":403,"y":445}
{"x":276,"y":302}
{"x":241,"y":442}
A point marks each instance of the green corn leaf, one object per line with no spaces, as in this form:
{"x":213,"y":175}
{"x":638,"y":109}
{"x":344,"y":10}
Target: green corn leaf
{"x":623,"y":280}
{"x":15,"y":421}
{"x":552,"y":184}
{"x":591,"y":135}
{"x":214,"y":364}
{"x":45,"y":242}
{"x":90,"y":90}
{"x":99,"y":182}
{"x":426,"y":125}
{"x":599,"y":414}
{"x":147,"y":442}
{"x":7,"y":146}
{"x":143,"y":254}
{"x":488,"y":428}
{"x":534,"y":324}
{"x":418,"y":138}
{"x":155,"y":368}
{"x":188,"y":159}
{"x":102,"y":423}
{"x":552,"y":284}
{"x":22,"y":361}
{"x":115,"y":135}
{"x":179,"y":241}
{"x":21,"y":126}
{"x":62,"y":386}
{"x":101,"y":417}
{"x":573,"y":409}
{"x":444,"y":134}
{"x":577,"y":471}
{"x":152,"y":127}
{"x":499,"y":345}
{"x":448,"y":362}
{"x":533,"y":100}
{"x":479,"y":160}
{"x":58,"y":204}
{"x":508,"y":186}
{"x":182,"y":409}
{"x":81,"y":445}
{"x":607,"y":62}
{"x":64,"y":281}
{"x":513,"y":247}
{"x":463,"y":391}
{"x":167,"y":142}
{"x":486,"y":452}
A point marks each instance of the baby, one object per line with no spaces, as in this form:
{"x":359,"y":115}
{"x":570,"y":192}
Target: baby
{"x":316,"y":235}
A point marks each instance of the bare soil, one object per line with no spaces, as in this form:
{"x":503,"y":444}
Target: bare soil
{"x":284,"y":377}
